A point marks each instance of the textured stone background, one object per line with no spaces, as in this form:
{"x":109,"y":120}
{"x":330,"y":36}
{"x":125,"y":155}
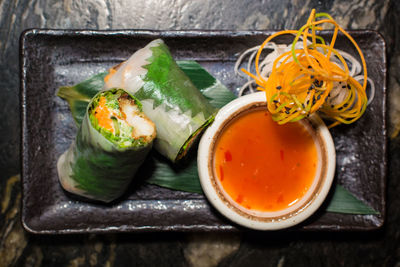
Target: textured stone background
{"x":17,"y":248}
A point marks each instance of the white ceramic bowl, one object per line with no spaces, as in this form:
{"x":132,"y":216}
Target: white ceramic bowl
{"x":288,"y":217}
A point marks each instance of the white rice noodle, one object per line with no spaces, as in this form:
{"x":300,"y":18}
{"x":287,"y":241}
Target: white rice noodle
{"x":265,"y":65}
{"x":360,"y":78}
{"x":337,"y":95}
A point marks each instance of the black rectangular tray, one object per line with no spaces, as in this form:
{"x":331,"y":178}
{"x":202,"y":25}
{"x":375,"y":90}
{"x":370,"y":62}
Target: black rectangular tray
{"x":52,"y":58}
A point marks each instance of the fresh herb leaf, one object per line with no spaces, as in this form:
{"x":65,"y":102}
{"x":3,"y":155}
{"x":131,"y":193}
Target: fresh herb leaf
{"x":344,"y":202}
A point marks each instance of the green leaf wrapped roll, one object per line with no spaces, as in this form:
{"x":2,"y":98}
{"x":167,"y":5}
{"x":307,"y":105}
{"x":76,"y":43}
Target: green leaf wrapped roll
{"x":114,"y":139}
{"x":169,"y":98}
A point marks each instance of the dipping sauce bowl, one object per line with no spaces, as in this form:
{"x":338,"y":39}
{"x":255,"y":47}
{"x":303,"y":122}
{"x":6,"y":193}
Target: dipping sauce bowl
{"x":261,"y":185}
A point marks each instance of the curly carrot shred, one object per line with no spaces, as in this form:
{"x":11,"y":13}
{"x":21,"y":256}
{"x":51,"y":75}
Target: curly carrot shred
{"x":302,"y":80}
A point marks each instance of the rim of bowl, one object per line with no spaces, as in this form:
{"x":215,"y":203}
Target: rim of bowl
{"x":288,"y":217}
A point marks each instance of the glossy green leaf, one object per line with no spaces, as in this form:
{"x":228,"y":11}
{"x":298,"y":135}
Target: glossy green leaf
{"x":78,"y":96}
{"x":344,"y":202}
{"x":182,"y":176}
{"x":216,"y":93}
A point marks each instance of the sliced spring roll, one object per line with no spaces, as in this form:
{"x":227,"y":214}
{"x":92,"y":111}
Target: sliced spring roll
{"x":169,"y":98}
{"x":114,"y":138}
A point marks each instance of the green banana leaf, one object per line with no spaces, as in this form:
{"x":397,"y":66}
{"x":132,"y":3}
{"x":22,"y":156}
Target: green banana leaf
{"x":184,"y":177}
{"x":79,"y":95}
{"x":344,"y":202}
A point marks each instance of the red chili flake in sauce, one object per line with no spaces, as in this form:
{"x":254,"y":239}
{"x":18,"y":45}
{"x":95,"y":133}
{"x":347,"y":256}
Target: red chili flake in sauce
{"x":265,"y":174}
{"x":228,"y":156}
{"x":221,"y":173}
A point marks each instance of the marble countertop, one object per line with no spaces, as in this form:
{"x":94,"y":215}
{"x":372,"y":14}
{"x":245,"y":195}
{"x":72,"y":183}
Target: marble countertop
{"x":18,"y":248}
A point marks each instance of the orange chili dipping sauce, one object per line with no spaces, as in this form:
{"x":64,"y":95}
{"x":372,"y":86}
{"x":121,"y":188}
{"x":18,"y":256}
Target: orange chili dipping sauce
{"x":264,"y":166}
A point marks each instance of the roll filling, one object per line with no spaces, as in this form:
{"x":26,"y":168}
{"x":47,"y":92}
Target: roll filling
{"x":112,"y":142}
{"x":120,"y":118}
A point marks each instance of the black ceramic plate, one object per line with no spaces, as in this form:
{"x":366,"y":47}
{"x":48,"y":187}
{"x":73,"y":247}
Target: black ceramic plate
{"x":51,"y":58}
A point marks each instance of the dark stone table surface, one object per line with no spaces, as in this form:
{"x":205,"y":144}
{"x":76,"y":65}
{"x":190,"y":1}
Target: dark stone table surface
{"x":19,"y":248}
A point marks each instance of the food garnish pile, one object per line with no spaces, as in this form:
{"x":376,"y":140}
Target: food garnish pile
{"x":310,"y":75}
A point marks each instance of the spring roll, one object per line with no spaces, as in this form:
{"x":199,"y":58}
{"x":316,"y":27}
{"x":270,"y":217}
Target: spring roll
{"x":114,"y":138}
{"x":169,"y":98}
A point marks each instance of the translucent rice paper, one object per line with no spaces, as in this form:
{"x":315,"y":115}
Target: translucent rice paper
{"x":168,"y":96}
{"x":96,"y":168}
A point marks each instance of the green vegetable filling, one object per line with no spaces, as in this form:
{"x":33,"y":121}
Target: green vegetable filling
{"x":107,"y":116}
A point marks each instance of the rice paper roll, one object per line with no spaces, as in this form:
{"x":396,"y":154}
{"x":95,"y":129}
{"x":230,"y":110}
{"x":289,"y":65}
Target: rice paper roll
{"x":169,"y":98}
{"x":114,"y":139}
